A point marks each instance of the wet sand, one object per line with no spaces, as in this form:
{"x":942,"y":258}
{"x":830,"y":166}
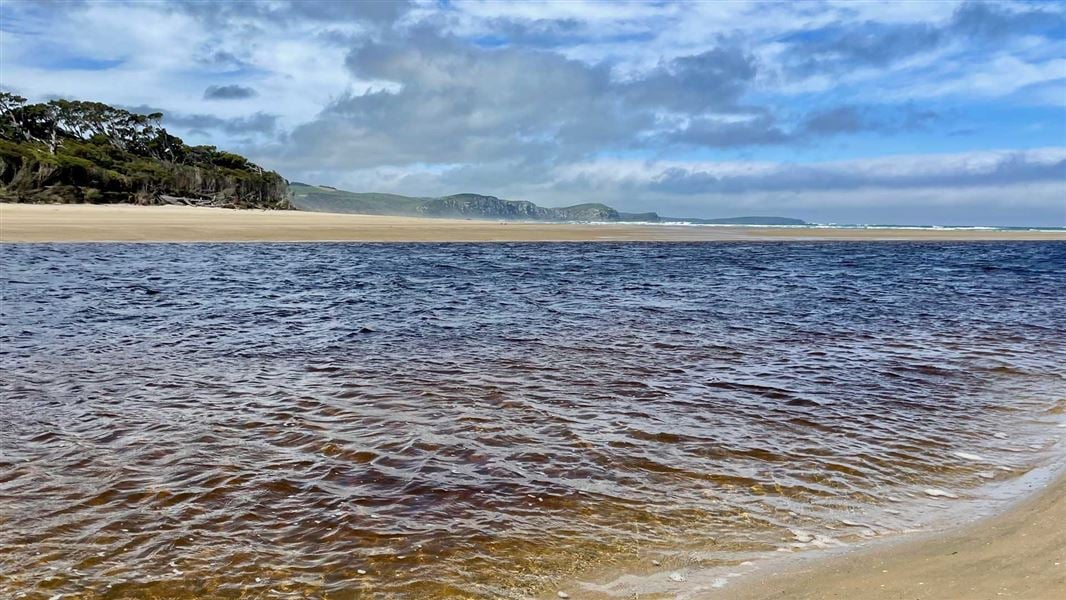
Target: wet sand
{"x":1018,"y":554}
{"x":126,"y":223}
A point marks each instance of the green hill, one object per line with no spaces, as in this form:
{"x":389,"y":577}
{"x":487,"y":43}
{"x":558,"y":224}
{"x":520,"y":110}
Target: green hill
{"x":328,"y":199}
{"x":461,"y":206}
{"x":323,"y":198}
{"x":65,"y":151}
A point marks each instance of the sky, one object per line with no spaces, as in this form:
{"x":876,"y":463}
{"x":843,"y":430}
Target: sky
{"x":833,"y":112}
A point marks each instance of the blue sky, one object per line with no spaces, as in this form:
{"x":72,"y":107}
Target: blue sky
{"x":909,"y":112}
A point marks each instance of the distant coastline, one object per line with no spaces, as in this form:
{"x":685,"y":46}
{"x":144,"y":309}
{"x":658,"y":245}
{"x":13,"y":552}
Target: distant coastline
{"x":324,"y":198}
{"x":328,"y":199}
{"x":73,"y":151}
{"x":129,"y":223}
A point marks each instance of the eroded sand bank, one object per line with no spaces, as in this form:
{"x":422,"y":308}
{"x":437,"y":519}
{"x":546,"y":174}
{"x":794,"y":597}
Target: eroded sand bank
{"x":124,"y":223}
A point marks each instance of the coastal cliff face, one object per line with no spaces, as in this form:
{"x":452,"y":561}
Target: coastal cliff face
{"x":491,"y":207}
{"x":458,"y":206}
{"x":320,"y":198}
{"x":74,"y":152}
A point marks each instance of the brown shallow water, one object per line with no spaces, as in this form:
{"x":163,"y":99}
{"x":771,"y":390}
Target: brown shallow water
{"x":419,"y":420}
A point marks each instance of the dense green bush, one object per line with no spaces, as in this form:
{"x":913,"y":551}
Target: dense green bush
{"x":73,"y":151}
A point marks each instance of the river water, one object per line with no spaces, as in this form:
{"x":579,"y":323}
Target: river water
{"x":488,"y":420}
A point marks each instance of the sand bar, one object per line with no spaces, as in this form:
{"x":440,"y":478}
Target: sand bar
{"x":126,"y":223}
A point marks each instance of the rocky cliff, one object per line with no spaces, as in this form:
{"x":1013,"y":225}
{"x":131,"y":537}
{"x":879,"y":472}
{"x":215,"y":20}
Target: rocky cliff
{"x":322,"y":198}
{"x":491,"y":207}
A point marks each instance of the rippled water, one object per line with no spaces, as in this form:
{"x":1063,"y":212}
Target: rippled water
{"x":465,"y":420}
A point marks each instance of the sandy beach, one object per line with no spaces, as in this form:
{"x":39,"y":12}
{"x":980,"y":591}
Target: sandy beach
{"x":1019,"y":554}
{"x":127,"y":223}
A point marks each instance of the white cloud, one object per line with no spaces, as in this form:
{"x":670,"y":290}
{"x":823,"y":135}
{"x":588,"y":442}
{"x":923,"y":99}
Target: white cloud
{"x":524,"y":99}
{"x":1001,"y":75}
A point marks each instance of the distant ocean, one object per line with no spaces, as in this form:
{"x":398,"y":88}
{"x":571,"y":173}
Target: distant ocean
{"x":854,"y":226}
{"x":935,"y":227}
{"x":489,"y":420}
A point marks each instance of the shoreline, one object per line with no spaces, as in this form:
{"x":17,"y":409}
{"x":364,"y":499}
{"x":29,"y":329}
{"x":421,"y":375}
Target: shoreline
{"x":58,"y":223}
{"x":1017,"y":553}
{"x":1018,"y":550}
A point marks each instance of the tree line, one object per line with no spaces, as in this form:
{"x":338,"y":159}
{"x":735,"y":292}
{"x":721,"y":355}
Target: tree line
{"x":51,"y":123}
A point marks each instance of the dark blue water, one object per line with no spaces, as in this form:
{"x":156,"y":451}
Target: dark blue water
{"x":485,"y":420}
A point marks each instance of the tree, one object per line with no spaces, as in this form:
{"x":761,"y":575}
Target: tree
{"x":166,"y":147}
{"x":39,"y":124}
{"x":11,"y":106}
{"x":55,"y":120}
